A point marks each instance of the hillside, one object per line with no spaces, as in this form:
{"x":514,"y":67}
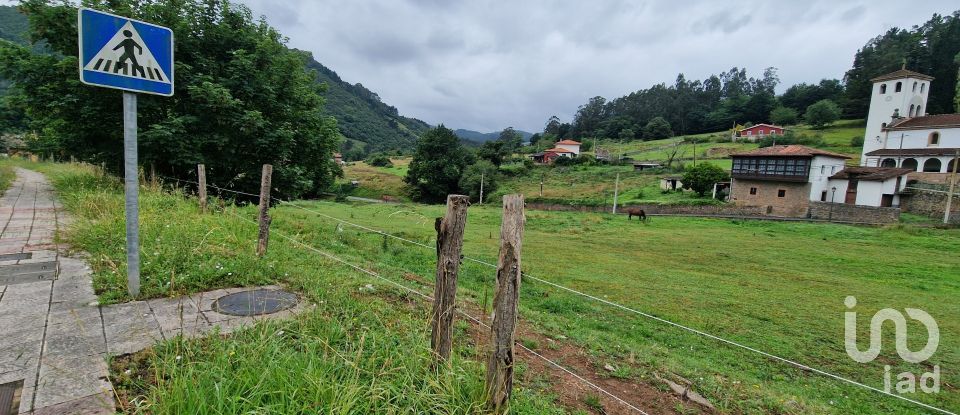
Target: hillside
{"x":363,"y":117}
{"x":478,"y":137}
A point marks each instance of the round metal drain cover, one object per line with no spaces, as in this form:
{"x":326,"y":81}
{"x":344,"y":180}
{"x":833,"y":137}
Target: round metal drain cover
{"x":255,"y":302}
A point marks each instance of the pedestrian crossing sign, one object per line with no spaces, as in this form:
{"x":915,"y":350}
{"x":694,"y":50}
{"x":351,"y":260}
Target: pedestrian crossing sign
{"x":121,"y":53}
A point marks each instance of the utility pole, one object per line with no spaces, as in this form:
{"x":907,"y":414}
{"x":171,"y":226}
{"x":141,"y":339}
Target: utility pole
{"x":616,"y":193}
{"x":953,"y":184}
{"x":481,"y":188}
{"x":541,"y":185}
{"x":694,"y":152}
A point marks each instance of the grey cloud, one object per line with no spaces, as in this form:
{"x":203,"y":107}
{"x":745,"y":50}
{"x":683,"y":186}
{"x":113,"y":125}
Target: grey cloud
{"x":484,"y":65}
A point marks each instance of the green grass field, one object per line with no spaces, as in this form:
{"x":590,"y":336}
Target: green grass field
{"x":778,"y":287}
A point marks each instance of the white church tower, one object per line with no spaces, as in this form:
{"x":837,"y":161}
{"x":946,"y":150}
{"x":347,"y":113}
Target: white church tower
{"x":902,"y":92}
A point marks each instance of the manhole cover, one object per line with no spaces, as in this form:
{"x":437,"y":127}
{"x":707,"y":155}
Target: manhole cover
{"x":255,"y":302}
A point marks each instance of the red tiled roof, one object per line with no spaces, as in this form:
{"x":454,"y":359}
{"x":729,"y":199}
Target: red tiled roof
{"x":870,"y":173}
{"x":902,"y":73}
{"x":557,"y":150}
{"x":790,"y":151}
{"x":926,"y":121}
{"x":571,"y":142}
{"x":762,"y":125}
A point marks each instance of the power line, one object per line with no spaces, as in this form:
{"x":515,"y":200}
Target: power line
{"x":426,"y":297}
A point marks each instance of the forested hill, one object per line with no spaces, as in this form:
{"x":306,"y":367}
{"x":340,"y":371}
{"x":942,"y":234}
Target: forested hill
{"x":362,"y":117}
{"x":478,"y":137}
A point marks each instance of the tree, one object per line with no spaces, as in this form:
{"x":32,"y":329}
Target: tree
{"x":821,"y":113}
{"x":472,"y":176}
{"x":379,"y":160}
{"x":437,"y":165}
{"x":242,"y":98}
{"x":553,"y":126}
{"x":494,"y":151}
{"x":512,"y":140}
{"x":658,"y":128}
{"x":702,"y":177}
{"x":784,"y":116}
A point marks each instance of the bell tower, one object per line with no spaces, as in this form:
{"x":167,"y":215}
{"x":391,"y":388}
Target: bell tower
{"x":903,"y":92}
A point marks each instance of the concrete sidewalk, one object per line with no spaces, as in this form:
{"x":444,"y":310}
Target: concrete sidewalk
{"x":54,"y":337}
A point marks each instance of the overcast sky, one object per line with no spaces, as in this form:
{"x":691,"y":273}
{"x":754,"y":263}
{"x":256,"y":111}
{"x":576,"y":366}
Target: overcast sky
{"x":486,"y":65}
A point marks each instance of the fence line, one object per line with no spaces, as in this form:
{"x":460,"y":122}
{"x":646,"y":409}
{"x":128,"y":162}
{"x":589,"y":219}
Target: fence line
{"x":428,"y":298}
{"x":789,"y":362}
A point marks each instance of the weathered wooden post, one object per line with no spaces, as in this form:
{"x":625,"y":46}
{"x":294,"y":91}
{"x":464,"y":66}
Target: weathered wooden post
{"x":202,"y":187}
{"x":449,"y":245}
{"x":499,"y":385}
{"x":264,"y":235}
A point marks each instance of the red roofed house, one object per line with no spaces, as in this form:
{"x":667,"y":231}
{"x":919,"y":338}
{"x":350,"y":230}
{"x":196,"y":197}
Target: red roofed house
{"x":758,"y":132}
{"x":786,"y":178}
{"x":564,"y":148}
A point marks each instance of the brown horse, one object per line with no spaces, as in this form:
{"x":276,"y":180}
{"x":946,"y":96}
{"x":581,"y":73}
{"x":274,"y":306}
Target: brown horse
{"x":639,"y":213}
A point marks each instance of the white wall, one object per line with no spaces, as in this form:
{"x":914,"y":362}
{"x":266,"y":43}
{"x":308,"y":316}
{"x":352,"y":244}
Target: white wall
{"x":883,"y":106}
{"x":869,"y":193}
{"x":572,"y":147}
{"x":949,"y":138}
{"x":821,"y":168}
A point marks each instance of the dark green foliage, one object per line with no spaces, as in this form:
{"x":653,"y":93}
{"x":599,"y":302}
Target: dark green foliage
{"x":242,"y":98}
{"x":790,"y":137}
{"x":929,"y":48}
{"x":437,"y":165}
{"x":379,"y":160}
{"x":801,"y":96}
{"x":856,"y":141}
{"x":784,"y":116}
{"x":821,"y":113}
{"x":658,"y":128}
{"x":498,"y":150}
{"x":470,"y":181}
{"x":702,"y":177}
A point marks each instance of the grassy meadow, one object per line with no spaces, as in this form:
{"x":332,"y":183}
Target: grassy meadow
{"x":778,"y":287}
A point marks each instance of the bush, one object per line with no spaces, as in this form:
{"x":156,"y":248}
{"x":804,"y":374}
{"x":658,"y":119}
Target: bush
{"x":379,"y":160}
{"x":565,"y":161}
{"x":470,"y":182}
{"x":856,"y":141}
{"x":702,"y":177}
{"x":658,"y":128}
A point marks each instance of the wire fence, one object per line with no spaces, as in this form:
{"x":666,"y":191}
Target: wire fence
{"x":592,"y":297}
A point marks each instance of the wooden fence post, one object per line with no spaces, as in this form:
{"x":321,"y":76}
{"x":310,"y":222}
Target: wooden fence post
{"x":499,"y":379}
{"x":202,"y":187}
{"x":449,"y":245}
{"x":264,"y":235}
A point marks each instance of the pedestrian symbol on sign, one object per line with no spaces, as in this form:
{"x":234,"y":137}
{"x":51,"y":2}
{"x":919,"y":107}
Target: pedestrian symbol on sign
{"x":123,"y":55}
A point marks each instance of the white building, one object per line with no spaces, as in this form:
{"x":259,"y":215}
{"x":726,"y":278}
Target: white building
{"x":571,"y":145}
{"x":867,"y":186}
{"x":900,"y":134}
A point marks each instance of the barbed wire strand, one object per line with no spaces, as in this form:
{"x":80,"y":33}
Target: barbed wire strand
{"x":426,"y":297}
{"x":621,"y":307}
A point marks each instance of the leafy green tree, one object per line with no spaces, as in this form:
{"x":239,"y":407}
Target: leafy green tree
{"x":627,"y":134}
{"x":784,"y":116}
{"x":242,"y":98}
{"x":379,"y":160}
{"x":472,"y":176}
{"x":438,"y":162}
{"x":821,"y":113}
{"x":658,"y":128}
{"x":702,"y":177}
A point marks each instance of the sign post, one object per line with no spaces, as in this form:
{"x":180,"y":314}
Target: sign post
{"x":136,"y":57}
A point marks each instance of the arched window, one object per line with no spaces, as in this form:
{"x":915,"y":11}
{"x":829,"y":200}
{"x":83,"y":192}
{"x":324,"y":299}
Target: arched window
{"x":883,"y":89}
{"x":950,"y":165}
{"x":899,"y":87}
{"x":919,"y":112}
{"x":914,"y":86}
{"x":911,"y":109}
{"x":909,"y":164}
{"x":883,"y":125}
{"x":923,"y":86}
{"x":888,"y":163}
{"x":932,"y":166}
{"x":934,"y":139}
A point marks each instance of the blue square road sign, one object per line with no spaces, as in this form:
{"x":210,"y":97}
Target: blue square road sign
{"x":122,"y":53}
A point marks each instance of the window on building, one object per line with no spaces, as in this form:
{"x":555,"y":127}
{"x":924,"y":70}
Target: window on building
{"x":934,"y":139}
{"x":833,"y":169}
{"x":950,"y":166}
{"x":823,"y":169}
{"x":910,"y":163}
{"x":753,"y":190}
{"x":923,"y":86}
{"x":919,"y":110}
{"x":884,"y":125}
{"x":888,"y":162}
{"x":914,"y":86}
{"x":899,"y":87}
{"x":823,"y":196}
{"x":883,"y":89}
{"x":932,"y":166}
{"x":749,"y":132}
{"x":911,"y":109}
{"x":781,"y":193}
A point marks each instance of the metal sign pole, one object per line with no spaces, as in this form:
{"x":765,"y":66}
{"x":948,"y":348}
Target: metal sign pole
{"x":131,"y":186}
